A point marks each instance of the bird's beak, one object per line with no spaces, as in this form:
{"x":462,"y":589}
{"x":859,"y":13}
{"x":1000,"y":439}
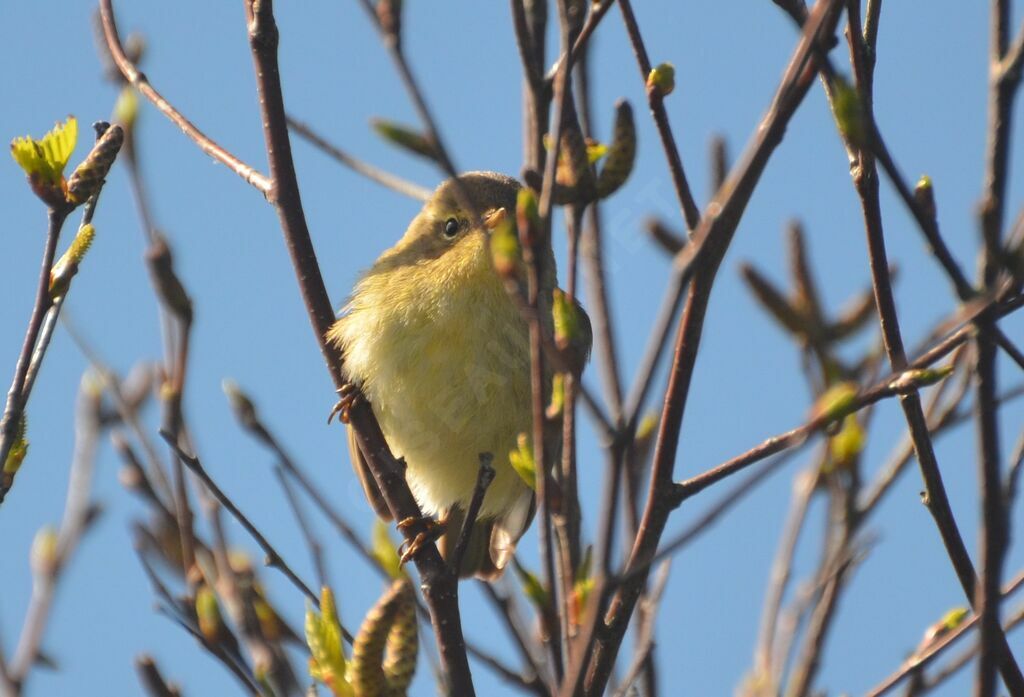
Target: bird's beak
{"x":494,"y":218}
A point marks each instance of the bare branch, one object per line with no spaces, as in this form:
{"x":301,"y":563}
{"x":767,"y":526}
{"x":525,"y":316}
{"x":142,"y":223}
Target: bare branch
{"x":138,"y":80}
{"x":16,"y":398}
{"x":273,"y":558}
{"x":79,"y":514}
{"x":483,"y":480}
{"x":406,"y":188}
{"x":656,"y":100}
{"x":923,"y":657}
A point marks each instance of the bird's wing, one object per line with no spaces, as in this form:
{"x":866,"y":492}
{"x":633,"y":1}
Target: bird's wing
{"x":506,"y":532}
{"x":362,"y":470}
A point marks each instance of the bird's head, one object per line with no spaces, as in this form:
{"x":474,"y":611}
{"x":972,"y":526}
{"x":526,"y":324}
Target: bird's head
{"x":459,"y":216}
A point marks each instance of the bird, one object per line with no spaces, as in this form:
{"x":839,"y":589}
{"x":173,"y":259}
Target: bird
{"x":434,"y":341}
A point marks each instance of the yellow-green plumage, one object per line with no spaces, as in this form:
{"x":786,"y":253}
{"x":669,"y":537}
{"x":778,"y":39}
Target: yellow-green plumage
{"x":442,"y":353}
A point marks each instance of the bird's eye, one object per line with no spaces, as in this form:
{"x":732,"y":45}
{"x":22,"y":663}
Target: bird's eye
{"x":451,"y":228}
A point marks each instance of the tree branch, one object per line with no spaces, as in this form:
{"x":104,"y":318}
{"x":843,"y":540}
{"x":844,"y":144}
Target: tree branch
{"x":138,"y":80}
{"x":714,"y":235}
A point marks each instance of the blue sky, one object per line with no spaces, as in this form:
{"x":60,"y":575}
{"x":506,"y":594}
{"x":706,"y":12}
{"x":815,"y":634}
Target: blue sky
{"x":250,"y":324}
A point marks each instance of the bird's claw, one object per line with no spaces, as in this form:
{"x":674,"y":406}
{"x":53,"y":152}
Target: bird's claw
{"x":349,"y":395}
{"x":432,"y":530}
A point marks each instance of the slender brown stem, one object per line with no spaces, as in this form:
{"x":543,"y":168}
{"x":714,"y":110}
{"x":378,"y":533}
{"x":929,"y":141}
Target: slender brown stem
{"x":592,"y":252}
{"x":656,"y":101}
{"x":901,"y":385}
{"x":961,"y":661}
{"x":483,"y":480}
{"x":865,"y":179}
{"x":782,"y":570}
{"x":273,"y":559}
{"x":184,"y":617}
{"x":922,"y":657}
{"x":316,"y":550}
{"x":939,"y":419}
{"x":994,"y":534}
{"x":645,"y":634}
{"x":138,"y":80}
{"x":386,"y":179}
{"x":79,"y":514}
{"x":835,"y":571}
{"x":704,"y":522}
{"x":152,"y":681}
{"x":714,"y":234}
{"x":16,"y":397}
{"x":507,"y":611}
{"x":440,"y":586}
{"x":237,"y":668}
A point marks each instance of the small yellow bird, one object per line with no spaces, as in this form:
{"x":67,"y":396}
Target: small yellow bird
{"x":434,"y":341}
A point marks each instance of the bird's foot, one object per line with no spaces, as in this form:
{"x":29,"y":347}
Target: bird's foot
{"x":432,"y":530}
{"x":349,"y":395}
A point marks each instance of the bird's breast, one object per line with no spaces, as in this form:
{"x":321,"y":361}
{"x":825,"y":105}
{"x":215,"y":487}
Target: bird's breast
{"x":446,"y":367}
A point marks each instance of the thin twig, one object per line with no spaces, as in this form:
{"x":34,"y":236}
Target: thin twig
{"x":656,"y":101}
{"x":16,"y":399}
{"x":505,"y":607}
{"x":386,"y":179}
{"x":714,"y":235}
{"x":939,"y":419}
{"x":725,"y":504}
{"x":781,"y":572}
{"x":865,"y":179}
{"x":902,"y":384}
{"x":241,"y":672}
{"x":79,"y":514}
{"x":273,"y":558}
{"x":483,"y":480}
{"x":922,"y":657}
{"x":645,"y":640}
{"x":152,"y":681}
{"x":52,"y":315}
{"x":138,"y":80}
{"x":994,"y":534}
{"x":958,"y":663}
{"x":316,"y":550}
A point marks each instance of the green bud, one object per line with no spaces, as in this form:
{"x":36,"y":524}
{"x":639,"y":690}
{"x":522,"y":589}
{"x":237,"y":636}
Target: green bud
{"x":67,"y":266}
{"x":405,"y":138}
{"x":15,"y":456}
{"x":837,"y":401}
{"x":211,"y":624}
{"x":573,"y":175}
{"x":241,"y":405}
{"x":126,"y":108}
{"x":621,"y":153}
{"x":848,"y":112}
{"x":522,"y":461}
{"x":645,"y":429}
{"x":946,"y":624}
{"x":505,"y":251}
{"x":920,"y":377}
{"x":557,"y":404}
{"x":527,"y":215}
{"x":44,"y":554}
{"x":566,"y":319}
{"x":924,"y":194}
{"x":662,"y":79}
{"x":532,"y":587}
{"x":845,"y":446}
{"x":385,"y":551}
